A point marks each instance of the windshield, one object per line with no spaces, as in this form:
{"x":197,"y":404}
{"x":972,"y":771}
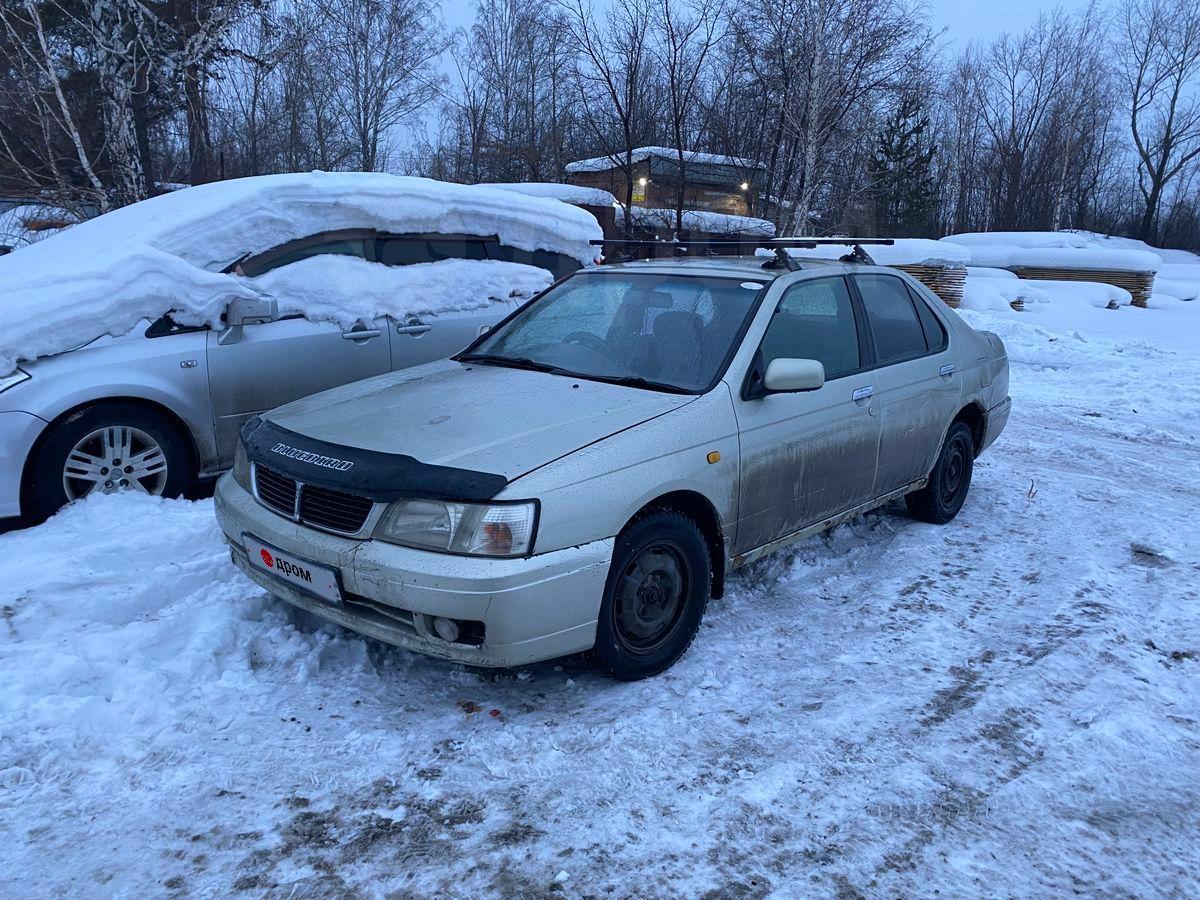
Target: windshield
{"x":665,"y":332}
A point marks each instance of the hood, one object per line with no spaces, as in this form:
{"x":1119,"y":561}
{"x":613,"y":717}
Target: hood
{"x":471,"y":416}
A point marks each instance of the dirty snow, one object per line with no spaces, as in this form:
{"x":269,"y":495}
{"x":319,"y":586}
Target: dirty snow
{"x":165,"y":254}
{"x":1005,"y":706}
{"x":345,"y":290}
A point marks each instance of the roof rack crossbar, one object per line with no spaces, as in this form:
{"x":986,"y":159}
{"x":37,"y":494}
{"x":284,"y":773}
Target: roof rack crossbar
{"x":779,"y":245}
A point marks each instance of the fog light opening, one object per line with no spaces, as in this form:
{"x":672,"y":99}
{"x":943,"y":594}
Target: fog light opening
{"x":447,"y":629}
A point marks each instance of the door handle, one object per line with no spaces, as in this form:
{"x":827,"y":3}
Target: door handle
{"x":417,"y":328}
{"x":946,"y":371}
{"x":863,"y":393}
{"x":362,"y":334}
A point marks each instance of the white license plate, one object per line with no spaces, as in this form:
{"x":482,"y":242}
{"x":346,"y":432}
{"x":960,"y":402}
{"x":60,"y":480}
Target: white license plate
{"x":294,"y":570}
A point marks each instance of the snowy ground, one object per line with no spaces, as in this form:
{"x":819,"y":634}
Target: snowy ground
{"x":1007,"y":706}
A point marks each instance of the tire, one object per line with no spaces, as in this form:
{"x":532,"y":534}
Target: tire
{"x":84,"y":432}
{"x":655,"y":596}
{"x":941,"y":499}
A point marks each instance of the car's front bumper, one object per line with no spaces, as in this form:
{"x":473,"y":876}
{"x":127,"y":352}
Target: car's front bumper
{"x":18,"y":432}
{"x":532,"y":609}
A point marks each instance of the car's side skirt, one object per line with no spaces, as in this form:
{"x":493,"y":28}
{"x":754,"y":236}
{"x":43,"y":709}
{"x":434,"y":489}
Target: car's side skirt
{"x":758,"y":553}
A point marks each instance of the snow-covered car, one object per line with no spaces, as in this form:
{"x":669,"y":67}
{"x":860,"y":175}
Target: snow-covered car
{"x":584,"y":475}
{"x":146,"y":337}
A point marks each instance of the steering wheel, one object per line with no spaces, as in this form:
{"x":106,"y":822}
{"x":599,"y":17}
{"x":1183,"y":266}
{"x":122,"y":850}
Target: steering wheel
{"x":587,"y":339}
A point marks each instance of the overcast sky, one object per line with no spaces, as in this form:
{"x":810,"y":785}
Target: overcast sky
{"x":964,"y":20}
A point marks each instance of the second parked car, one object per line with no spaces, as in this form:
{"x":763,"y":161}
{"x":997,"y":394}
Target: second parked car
{"x":160,"y":405}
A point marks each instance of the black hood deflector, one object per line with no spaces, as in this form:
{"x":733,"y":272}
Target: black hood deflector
{"x":369,"y":473}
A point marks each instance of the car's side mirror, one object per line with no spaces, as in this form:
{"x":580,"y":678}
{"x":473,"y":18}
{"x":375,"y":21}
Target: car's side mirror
{"x":794,"y":375}
{"x":251,"y":311}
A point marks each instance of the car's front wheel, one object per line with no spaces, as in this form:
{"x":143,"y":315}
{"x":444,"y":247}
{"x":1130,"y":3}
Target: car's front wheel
{"x":941,"y":499}
{"x":107,"y":448}
{"x":657,"y":590}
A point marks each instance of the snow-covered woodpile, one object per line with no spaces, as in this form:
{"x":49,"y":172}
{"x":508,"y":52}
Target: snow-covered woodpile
{"x":1139,"y":284}
{"x":947,"y":280}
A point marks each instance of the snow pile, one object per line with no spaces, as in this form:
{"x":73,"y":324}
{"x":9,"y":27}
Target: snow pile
{"x":29,"y":223}
{"x":567,"y":193}
{"x":902,"y":252}
{"x":999,"y":293}
{"x":345,"y":290}
{"x":604,"y":163}
{"x":1180,"y":280}
{"x":1051,"y":250}
{"x":701,"y":220}
{"x":165,"y":254}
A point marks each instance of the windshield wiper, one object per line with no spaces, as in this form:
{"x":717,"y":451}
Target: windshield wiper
{"x":512,"y":362}
{"x":637,"y":381}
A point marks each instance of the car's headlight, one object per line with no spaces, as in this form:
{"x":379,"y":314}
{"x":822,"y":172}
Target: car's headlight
{"x":474,"y":529}
{"x":13,"y":379}
{"x":241,"y":468}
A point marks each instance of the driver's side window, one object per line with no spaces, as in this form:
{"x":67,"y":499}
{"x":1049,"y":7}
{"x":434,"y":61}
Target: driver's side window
{"x":331,"y":244}
{"x":815,"y":320}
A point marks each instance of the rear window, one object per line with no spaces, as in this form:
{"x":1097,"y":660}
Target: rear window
{"x":935,"y":332}
{"x":556,"y":264}
{"x":892,"y":318}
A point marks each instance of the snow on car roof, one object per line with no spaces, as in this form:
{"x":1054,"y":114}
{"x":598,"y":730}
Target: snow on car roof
{"x":165,"y":254}
{"x":567,"y":193}
{"x":603,"y":163}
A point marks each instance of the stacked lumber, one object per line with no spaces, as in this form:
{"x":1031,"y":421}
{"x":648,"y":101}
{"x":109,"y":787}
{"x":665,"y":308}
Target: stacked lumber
{"x":1139,"y":284}
{"x":944,"y":279}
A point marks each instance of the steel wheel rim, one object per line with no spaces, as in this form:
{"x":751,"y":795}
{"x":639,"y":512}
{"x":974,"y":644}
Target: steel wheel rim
{"x":115,"y":458}
{"x":651,"y":597}
{"x":954,"y":471}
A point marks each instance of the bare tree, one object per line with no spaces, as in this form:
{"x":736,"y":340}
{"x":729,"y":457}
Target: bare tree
{"x":614,"y":82}
{"x":684,"y":38}
{"x":380,"y":55}
{"x":1159,"y":50}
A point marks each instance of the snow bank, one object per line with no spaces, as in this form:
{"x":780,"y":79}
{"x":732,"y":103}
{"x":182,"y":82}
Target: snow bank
{"x":985,"y":272}
{"x":567,"y":193}
{"x":701,"y":220}
{"x":603,"y":163}
{"x":905,"y":251}
{"x":345,"y":290}
{"x":999,"y":293}
{"x":1051,"y":249}
{"x":165,"y":254}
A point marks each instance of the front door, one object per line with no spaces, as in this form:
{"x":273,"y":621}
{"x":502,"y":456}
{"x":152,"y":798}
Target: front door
{"x":276,"y":362}
{"x":808,"y":455}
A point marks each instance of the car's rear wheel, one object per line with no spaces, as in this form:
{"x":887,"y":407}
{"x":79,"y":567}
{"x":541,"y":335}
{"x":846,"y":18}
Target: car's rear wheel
{"x":941,"y":499}
{"x":104,"y":449}
{"x":657,"y":590}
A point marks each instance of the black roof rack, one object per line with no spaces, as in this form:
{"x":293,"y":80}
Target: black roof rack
{"x":779,"y":245}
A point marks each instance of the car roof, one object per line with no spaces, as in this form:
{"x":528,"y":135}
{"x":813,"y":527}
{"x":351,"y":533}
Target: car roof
{"x":721,"y":266}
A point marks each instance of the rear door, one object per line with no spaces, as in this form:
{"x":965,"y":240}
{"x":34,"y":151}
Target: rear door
{"x":808,"y":455}
{"x":916,"y":386}
{"x":273,"y":363}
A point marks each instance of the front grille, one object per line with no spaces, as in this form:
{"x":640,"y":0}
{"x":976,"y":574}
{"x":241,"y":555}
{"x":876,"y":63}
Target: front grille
{"x":333,"y":509}
{"x":275,"y":490}
{"x":319,"y":506}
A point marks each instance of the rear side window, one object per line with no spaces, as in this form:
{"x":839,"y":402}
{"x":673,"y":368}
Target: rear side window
{"x":892,"y":317}
{"x":557,"y":264}
{"x":935,"y":332}
{"x":815,"y":320}
{"x":407,"y":251}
